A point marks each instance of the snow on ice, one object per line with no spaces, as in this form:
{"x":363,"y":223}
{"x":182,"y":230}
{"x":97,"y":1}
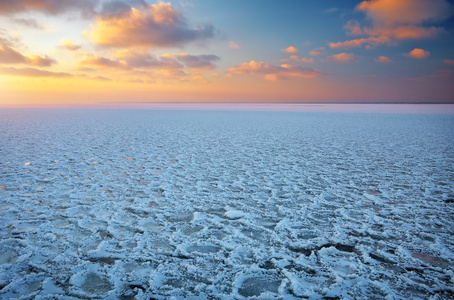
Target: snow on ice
{"x":225,"y":205}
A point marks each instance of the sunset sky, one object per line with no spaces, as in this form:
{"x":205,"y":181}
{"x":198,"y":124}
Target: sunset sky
{"x":102,"y":53}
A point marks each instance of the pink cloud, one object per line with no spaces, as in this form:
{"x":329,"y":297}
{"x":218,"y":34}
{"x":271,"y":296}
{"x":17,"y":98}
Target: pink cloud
{"x":449,"y":62}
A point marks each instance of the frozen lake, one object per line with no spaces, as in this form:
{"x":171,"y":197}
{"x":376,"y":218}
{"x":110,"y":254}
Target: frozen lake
{"x":128,"y":204}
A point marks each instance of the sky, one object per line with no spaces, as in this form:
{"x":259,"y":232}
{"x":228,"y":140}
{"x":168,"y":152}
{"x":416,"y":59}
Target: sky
{"x":115,"y":52}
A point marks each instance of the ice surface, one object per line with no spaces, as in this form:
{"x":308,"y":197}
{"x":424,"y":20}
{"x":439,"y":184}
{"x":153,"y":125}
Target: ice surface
{"x":230,"y":205}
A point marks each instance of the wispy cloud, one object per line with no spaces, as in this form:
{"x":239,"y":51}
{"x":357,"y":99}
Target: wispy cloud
{"x":32,"y":23}
{"x":272,"y":72}
{"x":449,"y":62}
{"x":102,"y":62}
{"x":154,"y":26}
{"x":331,"y":10}
{"x":393,"y":21}
{"x":32,"y":72}
{"x":341,"y":58}
{"x":233,"y":45}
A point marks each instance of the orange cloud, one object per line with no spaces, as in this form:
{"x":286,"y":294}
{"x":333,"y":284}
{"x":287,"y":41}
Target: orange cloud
{"x":290,"y":49}
{"x":301,"y":59}
{"x":395,"y":20}
{"x":418,"y":53}
{"x":317,"y":51}
{"x":70,"y":45}
{"x":449,"y":62}
{"x":383,"y":59}
{"x":32,"y":72}
{"x":272,"y":72}
{"x":10,"y":55}
{"x":199,"y":78}
{"x":341,"y":57}
{"x":152,"y":26}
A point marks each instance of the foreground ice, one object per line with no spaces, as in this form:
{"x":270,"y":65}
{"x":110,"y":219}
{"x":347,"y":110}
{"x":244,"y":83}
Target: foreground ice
{"x":229,"y":205}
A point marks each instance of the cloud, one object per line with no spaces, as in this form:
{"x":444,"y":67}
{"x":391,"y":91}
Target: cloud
{"x":331,"y":10}
{"x":290,"y":49}
{"x":272,"y":72}
{"x":418,"y":53}
{"x":102,"y":62}
{"x":142,"y":59}
{"x":153,"y":26}
{"x":32,"y":72}
{"x":10,"y":55}
{"x":50,"y":7}
{"x":317,"y":51}
{"x":383,"y":59}
{"x":302,"y":59}
{"x":70,"y":45}
{"x":32,"y":23}
{"x":204,"y":61}
{"x":96,"y":77}
{"x":393,"y":21}
{"x":118,"y":8}
{"x":199,"y":78}
{"x":8,"y":40}
{"x":449,"y":62}
{"x":233,"y":45}
{"x":341,"y":58}
{"x":186,"y":4}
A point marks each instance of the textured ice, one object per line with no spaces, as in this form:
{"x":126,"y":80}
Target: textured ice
{"x":229,"y":205}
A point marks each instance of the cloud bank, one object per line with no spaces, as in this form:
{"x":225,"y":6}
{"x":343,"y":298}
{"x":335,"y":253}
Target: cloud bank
{"x":393,"y":21}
